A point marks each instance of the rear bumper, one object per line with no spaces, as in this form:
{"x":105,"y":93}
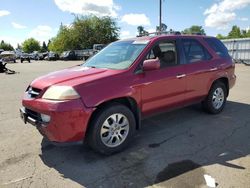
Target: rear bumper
{"x":68,"y":119}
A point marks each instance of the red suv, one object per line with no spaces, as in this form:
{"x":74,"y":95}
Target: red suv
{"x":103,"y":100}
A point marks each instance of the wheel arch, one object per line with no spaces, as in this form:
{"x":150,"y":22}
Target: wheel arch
{"x":126,"y":101}
{"x":223,"y":80}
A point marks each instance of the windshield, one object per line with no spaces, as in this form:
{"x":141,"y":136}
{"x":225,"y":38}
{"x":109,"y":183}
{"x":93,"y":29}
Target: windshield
{"x":65,"y":53}
{"x":118,"y":55}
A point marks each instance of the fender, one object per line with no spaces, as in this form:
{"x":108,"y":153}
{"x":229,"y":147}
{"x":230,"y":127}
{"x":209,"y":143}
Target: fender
{"x":109,"y":88}
{"x":218,"y":75}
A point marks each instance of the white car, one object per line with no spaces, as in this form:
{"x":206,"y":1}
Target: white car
{"x":8,"y":56}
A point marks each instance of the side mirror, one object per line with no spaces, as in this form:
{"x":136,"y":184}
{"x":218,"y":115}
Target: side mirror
{"x":151,"y":64}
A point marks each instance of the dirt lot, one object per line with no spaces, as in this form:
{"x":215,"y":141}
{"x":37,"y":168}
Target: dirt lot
{"x":174,"y":149}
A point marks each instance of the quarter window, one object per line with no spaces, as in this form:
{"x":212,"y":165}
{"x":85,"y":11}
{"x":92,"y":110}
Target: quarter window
{"x":218,"y":47}
{"x":194,"y":51}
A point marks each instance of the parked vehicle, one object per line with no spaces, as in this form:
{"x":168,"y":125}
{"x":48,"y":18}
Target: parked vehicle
{"x":51,"y":56}
{"x":36,"y":56}
{"x":90,"y":52}
{"x":1,"y":50}
{"x":68,"y":55}
{"x":18,"y":53}
{"x":8,"y":56}
{"x":25,"y":57}
{"x":103,"y":101}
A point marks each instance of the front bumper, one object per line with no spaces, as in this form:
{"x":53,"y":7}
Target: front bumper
{"x":68,"y":119}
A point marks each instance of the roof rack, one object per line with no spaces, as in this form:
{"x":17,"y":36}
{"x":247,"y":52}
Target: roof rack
{"x":160,"y":33}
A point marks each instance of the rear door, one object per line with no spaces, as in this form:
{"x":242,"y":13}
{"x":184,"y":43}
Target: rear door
{"x":164,"y":88}
{"x":200,"y":67}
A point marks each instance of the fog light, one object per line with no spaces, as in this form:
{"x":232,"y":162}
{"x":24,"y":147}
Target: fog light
{"x":45,"y":118}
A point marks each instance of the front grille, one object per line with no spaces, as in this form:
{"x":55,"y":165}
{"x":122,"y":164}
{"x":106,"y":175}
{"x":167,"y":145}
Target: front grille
{"x":33,"y":92}
{"x":34,"y":115}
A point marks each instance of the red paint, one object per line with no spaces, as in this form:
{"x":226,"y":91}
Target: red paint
{"x":151,"y":64}
{"x":153,"y":91}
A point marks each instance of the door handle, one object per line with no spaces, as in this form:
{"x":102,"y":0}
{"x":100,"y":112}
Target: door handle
{"x":214,"y":69}
{"x":179,"y":76}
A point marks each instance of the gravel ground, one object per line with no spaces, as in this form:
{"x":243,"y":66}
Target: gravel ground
{"x":174,"y":149}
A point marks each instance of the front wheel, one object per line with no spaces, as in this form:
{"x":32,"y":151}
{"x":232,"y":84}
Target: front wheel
{"x":111,"y":129}
{"x":216,"y":99}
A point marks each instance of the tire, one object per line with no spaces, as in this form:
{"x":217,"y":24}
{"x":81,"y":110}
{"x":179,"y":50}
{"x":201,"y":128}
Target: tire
{"x":216,"y":99}
{"x":115,"y":137}
{"x":21,"y":61}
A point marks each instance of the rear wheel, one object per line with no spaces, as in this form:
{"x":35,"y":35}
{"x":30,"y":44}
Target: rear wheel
{"x":111,"y":129}
{"x":216,"y":99}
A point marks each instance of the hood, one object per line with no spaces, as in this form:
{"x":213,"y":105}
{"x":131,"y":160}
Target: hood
{"x":85,"y":74}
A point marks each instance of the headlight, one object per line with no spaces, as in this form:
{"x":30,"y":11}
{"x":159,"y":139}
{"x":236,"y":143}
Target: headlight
{"x":61,"y":93}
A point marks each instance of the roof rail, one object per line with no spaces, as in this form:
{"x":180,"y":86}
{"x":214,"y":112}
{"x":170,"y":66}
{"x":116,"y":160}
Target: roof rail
{"x":160,"y":33}
{"x":198,"y":33}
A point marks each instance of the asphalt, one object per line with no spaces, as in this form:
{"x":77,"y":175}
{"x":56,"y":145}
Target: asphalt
{"x":174,"y":149}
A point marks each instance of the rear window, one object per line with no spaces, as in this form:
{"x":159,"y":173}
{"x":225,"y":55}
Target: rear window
{"x":218,"y":47}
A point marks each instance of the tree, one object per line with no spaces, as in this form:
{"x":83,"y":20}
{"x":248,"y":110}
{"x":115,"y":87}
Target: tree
{"x":84,"y":33}
{"x":141,"y":31}
{"x":6,"y":46}
{"x":164,"y":28}
{"x":245,"y":33}
{"x":235,"y":32}
{"x":195,"y":29}
{"x":48,"y":43}
{"x":19,"y":46}
{"x":44,"y":47}
{"x":221,"y":37}
{"x":30,"y":45}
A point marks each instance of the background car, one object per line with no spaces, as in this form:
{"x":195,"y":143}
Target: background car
{"x":51,"y":56}
{"x":68,"y":55}
{"x":25,"y":57}
{"x":36,"y":56}
{"x":8,"y":56}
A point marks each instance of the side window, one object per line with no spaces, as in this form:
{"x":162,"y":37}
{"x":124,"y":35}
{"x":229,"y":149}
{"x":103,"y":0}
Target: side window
{"x":194,"y":51}
{"x":166,"y":52}
{"x":218,"y":47}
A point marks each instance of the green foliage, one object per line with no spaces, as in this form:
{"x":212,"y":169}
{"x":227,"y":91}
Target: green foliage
{"x":141,"y":31}
{"x":6,"y":46}
{"x":44,"y":47}
{"x":235,"y":33}
{"x":31,"y":45}
{"x":163,"y":28}
{"x":221,"y":37}
{"x":194,"y":29}
{"x":83,"y":33}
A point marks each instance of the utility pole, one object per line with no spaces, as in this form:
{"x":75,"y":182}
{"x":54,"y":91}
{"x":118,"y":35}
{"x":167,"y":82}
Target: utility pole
{"x":160,"y":21}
